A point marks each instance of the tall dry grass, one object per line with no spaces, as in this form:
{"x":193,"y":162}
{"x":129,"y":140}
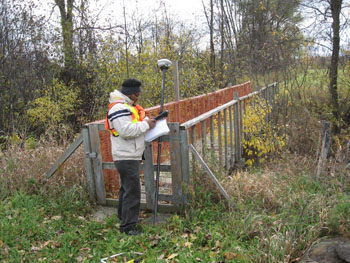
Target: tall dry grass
{"x":24,"y":163}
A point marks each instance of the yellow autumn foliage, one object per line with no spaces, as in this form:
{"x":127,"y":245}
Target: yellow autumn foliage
{"x":261,"y":137}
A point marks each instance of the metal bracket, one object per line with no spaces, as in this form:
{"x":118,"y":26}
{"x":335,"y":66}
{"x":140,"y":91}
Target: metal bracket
{"x":91,"y":155}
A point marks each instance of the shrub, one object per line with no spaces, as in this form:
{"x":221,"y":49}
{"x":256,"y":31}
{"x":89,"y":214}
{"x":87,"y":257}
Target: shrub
{"x":262,"y":138}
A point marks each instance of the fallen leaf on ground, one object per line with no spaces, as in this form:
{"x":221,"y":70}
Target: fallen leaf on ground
{"x":188,"y":244}
{"x":174,"y":255}
{"x":230,"y":255}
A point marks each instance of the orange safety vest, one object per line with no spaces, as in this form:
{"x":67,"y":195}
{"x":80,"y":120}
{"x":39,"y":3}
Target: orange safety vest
{"x":137,"y":114}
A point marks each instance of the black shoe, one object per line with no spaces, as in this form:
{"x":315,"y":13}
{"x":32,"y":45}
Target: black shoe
{"x":134,"y":232}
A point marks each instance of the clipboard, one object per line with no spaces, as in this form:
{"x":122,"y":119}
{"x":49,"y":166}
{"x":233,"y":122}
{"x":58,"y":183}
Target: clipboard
{"x":161,"y":128}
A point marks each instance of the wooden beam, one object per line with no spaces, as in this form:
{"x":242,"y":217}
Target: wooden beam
{"x":67,"y":153}
{"x":206,"y":115}
{"x":210,"y":173}
{"x":148,"y":171}
{"x":175,"y":158}
{"x":88,"y":165}
{"x":97,"y":163}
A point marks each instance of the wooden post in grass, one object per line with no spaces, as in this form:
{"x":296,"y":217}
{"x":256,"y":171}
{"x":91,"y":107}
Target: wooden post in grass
{"x":323,"y":148}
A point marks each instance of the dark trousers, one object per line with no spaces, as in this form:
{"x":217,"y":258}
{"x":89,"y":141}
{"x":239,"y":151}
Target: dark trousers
{"x":129,"y":193}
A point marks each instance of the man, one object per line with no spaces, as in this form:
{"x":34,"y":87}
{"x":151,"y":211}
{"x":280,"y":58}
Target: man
{"x":127,"y":123}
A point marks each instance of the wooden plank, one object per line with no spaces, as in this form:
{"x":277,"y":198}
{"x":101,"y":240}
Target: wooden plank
{"x":231,"y":137}
{"x":219,"y":138}
{"x":175,"y":160}
{"x":193,"y":141}
{"x":225,"y":138}
{"x":210,"y":173}
{"x":101,"y":127}
{"x":206,"y":115}
{"x":240,"y":129}
{"x":237,"y":132}
{"x":148,"y":171}
{"x":250,"y":94}
{"x":97,"y":163}
{"x":323,"y":148}
{"x":212,"y":132}
{"x":163,"y":208}
{"x":66,"y":154}
{"x":204,"y":137}
{"x":185,"y":158}
{"x":165,"y":197}
{"x":111,"y":166}
{"x":88,"y":165}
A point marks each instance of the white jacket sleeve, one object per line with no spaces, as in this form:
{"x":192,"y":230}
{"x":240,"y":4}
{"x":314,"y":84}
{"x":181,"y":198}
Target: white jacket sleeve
{"x":121,"y":120}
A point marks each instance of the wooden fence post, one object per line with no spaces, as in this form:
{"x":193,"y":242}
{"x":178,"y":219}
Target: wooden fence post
{"x":175,"y":161}
{"x":97,"y":164}
{"x":88,"y":164}
{"x":185,"y":162}
{"x":324,"y":147}
{"x":148,"y":173}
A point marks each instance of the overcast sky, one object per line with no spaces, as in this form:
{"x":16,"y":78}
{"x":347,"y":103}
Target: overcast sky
{"x":189,"y":11}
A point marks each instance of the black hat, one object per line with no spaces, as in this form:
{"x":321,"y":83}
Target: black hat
{"x":131,"y":86}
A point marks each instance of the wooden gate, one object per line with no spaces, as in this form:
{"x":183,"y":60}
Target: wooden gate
{"x":173,"y":162}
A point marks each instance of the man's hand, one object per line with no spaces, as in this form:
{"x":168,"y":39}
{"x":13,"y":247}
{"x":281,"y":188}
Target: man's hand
{"x":151,"y":123}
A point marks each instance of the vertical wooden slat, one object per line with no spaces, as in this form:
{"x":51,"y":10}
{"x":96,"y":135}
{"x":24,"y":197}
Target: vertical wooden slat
{"x":236,"y":130}
{"x":185,"y":162}
{"x":97,"y":162}
{"x":89,"y":165}
{"x":225,"y":136}
{"x":193,"y":140}
{"x":204,"y":137}
{"x":212,"y":132}
{"x":231,"y":137}
{"x":148,"y":171}
{"x":175,"y":159}
{"x":219,"y":138}
{"x":240,"y":128}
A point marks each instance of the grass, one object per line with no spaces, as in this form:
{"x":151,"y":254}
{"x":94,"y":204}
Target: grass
{"x":281,"y":210}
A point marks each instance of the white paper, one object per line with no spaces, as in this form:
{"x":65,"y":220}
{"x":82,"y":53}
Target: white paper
{"x":160,"y":129}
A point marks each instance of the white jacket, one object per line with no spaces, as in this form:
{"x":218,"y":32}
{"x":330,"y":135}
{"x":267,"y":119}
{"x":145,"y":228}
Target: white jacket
{"x":130,"y":144}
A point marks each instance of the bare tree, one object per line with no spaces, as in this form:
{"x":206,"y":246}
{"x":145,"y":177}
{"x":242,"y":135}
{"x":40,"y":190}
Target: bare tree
{"x":24,"y":63}
{"x":210,"y":21}
{"x":335,"y":6}
{"x":329,"y":19}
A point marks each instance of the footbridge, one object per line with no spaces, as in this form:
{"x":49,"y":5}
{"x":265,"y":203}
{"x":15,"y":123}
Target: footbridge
{"x":209,"y":124}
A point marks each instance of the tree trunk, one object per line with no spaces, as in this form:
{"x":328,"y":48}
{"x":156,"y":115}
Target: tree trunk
{"x":126,"y":44}
{"x":67,"y":34}
{"x":222,"y":42}
{"x":333,"y":73}
{"x":211,"y":29}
